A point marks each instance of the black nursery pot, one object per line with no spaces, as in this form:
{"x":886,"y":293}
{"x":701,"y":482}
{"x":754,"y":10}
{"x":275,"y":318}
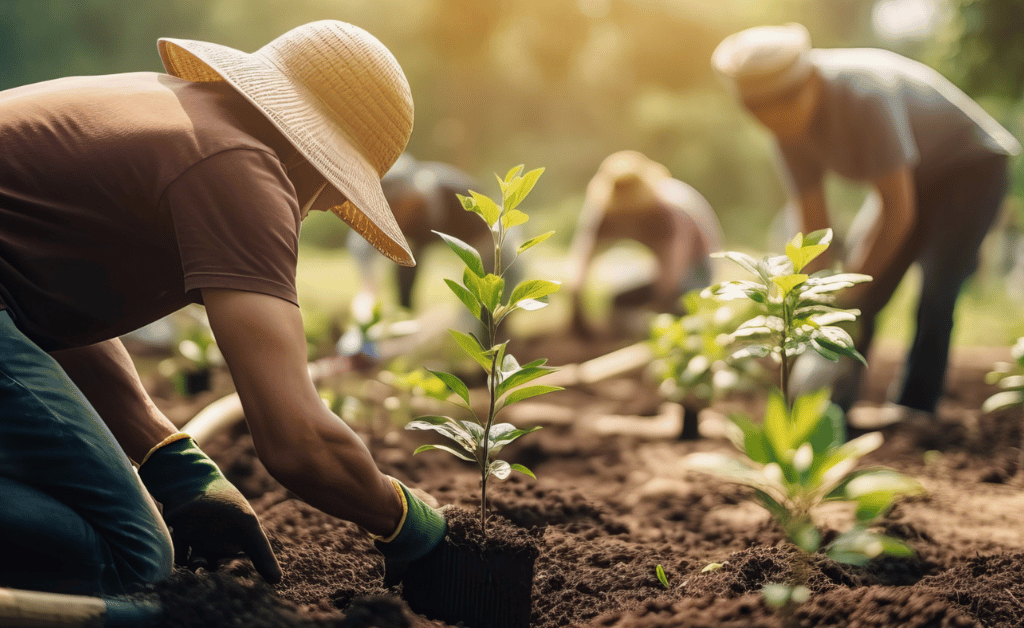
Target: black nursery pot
{"x":483,"y":583}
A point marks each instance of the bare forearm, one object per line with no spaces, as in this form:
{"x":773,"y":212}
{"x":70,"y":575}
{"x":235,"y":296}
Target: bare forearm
{"x":106,"y":375}
{"x":338,"y":475}
{"x":887,"y":236}
{"x":304,"y":446}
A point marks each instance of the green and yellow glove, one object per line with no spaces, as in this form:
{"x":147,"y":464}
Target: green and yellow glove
{"x":419,"y":532}
{"x":208,"y":517}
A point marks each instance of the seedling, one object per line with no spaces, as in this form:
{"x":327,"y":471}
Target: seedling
{"x":692,"y":359}
{"x":1010,"y":379}
{"x":482,"y":291}
{"x":659,"y":571}
{"x":798,"y":458}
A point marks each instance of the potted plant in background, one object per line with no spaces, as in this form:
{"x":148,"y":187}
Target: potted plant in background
{"x":692,"y":360}
{"x":484,"y":578}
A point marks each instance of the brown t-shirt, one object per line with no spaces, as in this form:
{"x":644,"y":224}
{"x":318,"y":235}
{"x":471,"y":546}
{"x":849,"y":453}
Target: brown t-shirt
{"x":121,"y":196}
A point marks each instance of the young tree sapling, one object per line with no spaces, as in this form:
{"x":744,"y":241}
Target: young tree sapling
{"x":483,"y":292}
{"x":798,"y":457}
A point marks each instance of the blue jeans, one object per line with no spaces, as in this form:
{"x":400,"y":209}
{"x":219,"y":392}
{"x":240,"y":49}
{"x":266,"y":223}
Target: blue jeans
{"x":74,"y":516}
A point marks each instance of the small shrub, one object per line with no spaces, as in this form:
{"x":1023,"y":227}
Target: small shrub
{"x":798,"y":458}
{"x":692,"y":359}
{"x":1010,"y":379}
{"x":483,"y":292}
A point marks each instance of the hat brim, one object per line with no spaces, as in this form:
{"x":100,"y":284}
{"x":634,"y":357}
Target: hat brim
{"x":303,"y":120}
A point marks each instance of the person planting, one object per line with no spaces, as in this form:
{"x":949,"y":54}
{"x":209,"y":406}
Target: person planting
{"x":126,"y":197}
{"x":631,"y":197}
{"x":936,"y":163}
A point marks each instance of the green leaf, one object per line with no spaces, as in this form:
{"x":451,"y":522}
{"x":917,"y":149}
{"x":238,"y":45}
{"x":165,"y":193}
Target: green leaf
{"x":469,"y":255}
{"x":488,"y":208}
{"x":522,"y":376}
{"x":512,"y":173}
{"x":787,"y":283}
{"x":857,"y":546}
{"x":529,"y":180}
{"x":454,"y":384}
{"x":755,"y":441}
{"x":532,"y":242}
{"x":779,"y":512}
{"x":447,"y":427}
{"x":504,"y":433}
{"x":457,"y":454}
{"x":808,"y":415}
{"x":662,"y":578}
{"x":514,"y":218}
{"x":531,"y":305}
{"x":471,"y":347}
{"x":533,"y":289}
{"x":520,"y":468}
{"x":467,"y":298}
{"x":776,"y":424}
{"x":469,"y":204}
{"x":499,"y":469}
{"x":491,"y":289}
{"x":801,"y":250}
{"x":530,"y":391}
{"x":777,"y":595}
{"x":745,"y":261}
{"x":1003,"y":399}
{"x":806,"y":537}
{"x":725,"y":467}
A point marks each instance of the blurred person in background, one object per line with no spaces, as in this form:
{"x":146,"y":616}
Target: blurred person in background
{"x":937,"y":166}
{"x":423,"y":196}
{"x":632,"y":197}
{"x":126,"y":197}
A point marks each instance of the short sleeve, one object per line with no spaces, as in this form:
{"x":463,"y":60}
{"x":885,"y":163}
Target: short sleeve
{"x":237,"y":224}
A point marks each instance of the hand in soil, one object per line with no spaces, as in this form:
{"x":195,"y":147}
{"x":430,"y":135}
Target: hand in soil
{"x":209,"y":518}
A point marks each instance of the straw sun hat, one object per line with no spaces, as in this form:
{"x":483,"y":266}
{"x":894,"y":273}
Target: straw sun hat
{"x":340,"y":98}
{"x":765,"y":61}
{"x":628,"y":180}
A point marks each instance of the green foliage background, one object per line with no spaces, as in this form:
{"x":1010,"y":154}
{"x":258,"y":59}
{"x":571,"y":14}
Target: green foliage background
{"x":562,"y":83}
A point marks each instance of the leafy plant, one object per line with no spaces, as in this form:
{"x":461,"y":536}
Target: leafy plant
{"x":1009,"y":376}
{"x":483,"y":293}
{"x":798,"y":458}
{"x":692,"y":359}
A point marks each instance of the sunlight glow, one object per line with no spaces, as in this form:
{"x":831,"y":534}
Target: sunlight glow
{"x":895,"y":20}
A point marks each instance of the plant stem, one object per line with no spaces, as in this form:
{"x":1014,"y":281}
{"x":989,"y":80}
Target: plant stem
{"x":492,"y":386}
{"x":491,"y":389}
{"x":787,"y":324}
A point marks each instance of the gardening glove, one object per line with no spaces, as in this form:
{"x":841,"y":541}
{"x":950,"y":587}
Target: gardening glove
{"x":420,"y":530}
{"x":208,"y":517}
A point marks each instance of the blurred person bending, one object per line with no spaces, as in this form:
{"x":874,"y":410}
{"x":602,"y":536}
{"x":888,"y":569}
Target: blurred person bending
{"x":633,"y":198}
{"x":937,"y":166}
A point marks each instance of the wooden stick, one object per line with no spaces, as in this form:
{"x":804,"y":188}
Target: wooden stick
{"x":603,"y":367}
{"x":34,"y":609}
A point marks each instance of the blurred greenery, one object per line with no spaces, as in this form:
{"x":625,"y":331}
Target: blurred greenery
{"x":555,"y":83}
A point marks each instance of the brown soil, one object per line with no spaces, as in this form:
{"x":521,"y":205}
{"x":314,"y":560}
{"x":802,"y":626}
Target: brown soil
{"x":611,"y":507}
